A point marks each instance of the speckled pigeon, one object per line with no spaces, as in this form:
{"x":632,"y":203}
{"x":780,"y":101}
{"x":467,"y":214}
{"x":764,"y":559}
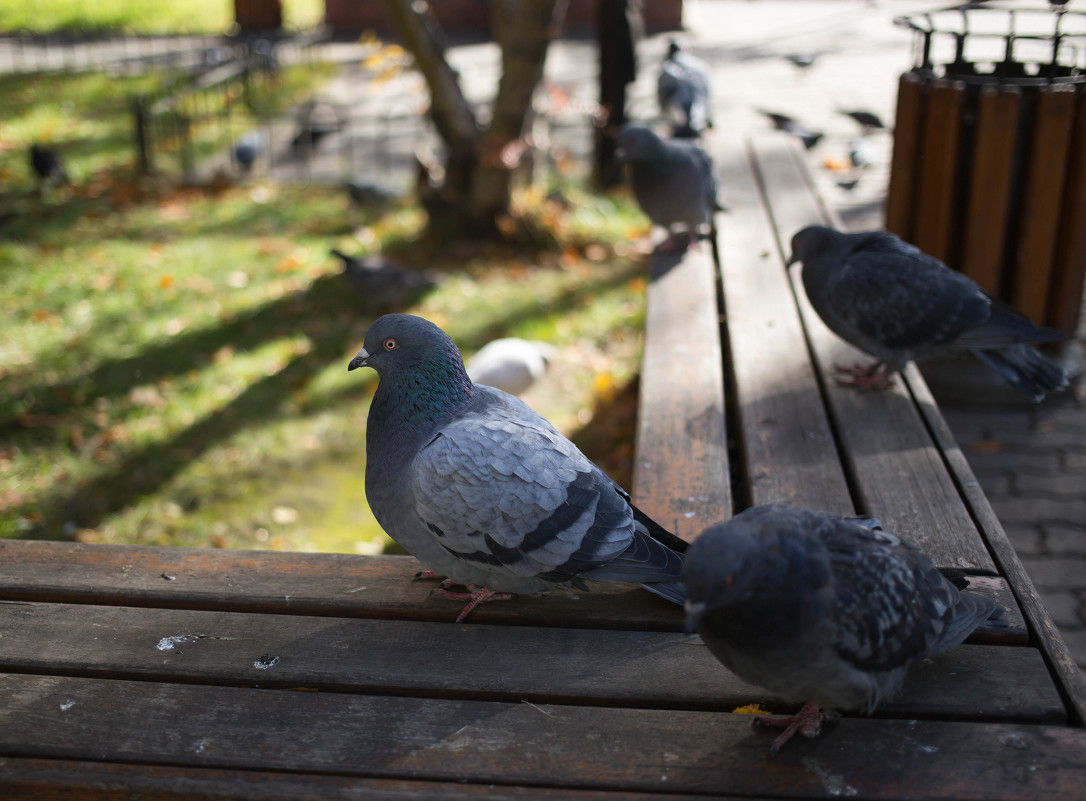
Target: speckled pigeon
{"x":673,"y":182}
{"x":897,"y":303}
{"x":485,"y":491}
{"x":682,"y":90}
{"x":820,"y":610}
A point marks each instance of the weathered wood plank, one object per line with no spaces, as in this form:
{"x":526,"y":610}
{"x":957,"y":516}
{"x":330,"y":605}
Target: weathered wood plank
{"x":1070,"y":267}
{"x":681,"y":470}
{"x":788,"y":448}
{"x":992,"y":178}
{"x":938,"y":192}
{"x":908,"y":123}
{"x":296,"y":584}
{"x":1044,"y":632}
{"x":896,"y":470}
{"x":1042,"y":198}
{"x":543,"y":665}
{"x":66,"y":780}
{"x":529,"y":745}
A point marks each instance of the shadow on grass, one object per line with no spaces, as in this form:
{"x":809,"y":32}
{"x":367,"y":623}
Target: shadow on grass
{"x":326,"y":313}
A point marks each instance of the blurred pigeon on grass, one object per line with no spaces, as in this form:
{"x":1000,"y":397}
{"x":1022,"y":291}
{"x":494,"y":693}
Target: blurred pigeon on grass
{"x":895,"y":302}
{"x":682,"y":91}
{"x":484,"y":491}
{"x":47,"y":165}
{"x":821,"y":611}
{"x":249,"y":147}
{"x":510,"y":364}
{"x":380,"y":283}
{"x":673,"y":183}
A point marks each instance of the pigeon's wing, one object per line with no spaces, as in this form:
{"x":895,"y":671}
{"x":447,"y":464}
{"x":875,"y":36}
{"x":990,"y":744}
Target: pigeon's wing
{"x":673,"y":89}
{"x":891,"y":604}
{"x":902,"y":298}
{"x":503,"y":490}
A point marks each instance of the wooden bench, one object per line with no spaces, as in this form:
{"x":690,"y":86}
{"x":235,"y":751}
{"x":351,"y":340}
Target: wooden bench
{"x":158,"y":673}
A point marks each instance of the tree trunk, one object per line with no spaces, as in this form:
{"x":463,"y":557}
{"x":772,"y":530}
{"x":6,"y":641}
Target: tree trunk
{"x":479,"y":165}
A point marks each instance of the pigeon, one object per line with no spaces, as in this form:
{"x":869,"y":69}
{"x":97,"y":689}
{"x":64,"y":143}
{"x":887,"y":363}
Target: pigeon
{"x":782,"y":122}
{"x":484,"y":491}
{"x":821,"y":611}
{"x":510,"y":364}
{"x":47,"y":165}
{"x":682,"y":90}
{"x":248,"y":148}
{"x":380,"y":283}
{"x":803,"y":60}
{"x":672,"y":180}
{"x":868,"y":121}
{"x":897,"y":303}
{"x":366,"y":193}
{"x":861,"y":153}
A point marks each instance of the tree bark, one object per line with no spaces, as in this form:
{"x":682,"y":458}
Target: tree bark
{"x":480,"y":162}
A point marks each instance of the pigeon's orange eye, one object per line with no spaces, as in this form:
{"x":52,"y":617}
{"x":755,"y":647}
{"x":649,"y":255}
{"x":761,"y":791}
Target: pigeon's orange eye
{"x":390,"y":344}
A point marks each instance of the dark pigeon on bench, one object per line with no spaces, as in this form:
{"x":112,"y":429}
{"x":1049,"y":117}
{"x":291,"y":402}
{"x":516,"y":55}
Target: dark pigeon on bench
{"x":486,"y":492}
{"x":868,"y":121}
{"x":822,"y":611}
{"x":897,"y":303}
{"x":673,"y":183}
{"x":682,"y":90}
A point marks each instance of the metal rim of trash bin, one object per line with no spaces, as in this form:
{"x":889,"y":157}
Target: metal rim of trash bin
{"x":1020,"y":27}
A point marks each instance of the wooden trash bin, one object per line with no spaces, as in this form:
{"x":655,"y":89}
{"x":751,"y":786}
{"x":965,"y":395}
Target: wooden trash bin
{"x":989,"y":160}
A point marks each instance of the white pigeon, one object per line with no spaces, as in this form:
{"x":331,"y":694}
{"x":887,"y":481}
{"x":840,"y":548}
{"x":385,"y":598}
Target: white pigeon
{"x":510,"y":364}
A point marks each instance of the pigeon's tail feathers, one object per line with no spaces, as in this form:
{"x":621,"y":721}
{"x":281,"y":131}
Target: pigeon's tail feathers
{"x":969,"y":612}
{"x":673,"y":592}
{"x":1025,"y":369}
{"x":658,"y":532}
{"x":646,"y":561}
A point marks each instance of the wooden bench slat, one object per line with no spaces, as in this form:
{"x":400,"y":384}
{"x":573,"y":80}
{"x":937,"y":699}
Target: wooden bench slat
{"x":545,"y":665}
{"x":1043,"y":630}
{"x":788,"y":447}
{"x":334,"y":585}
{"x":528,"y":744}
{"x":67,"y":780}
{"x":681,"y":476}
{"x":893,"y":464}
{"x":297,"y":584}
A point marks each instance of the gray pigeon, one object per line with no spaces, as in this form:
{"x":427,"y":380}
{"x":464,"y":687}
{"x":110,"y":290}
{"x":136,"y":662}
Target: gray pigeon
{"x":897,"y":303}
{"x":381,"y":283}
{"x":820,"y":610}
{"x":673,"y":182}
{"x":485,"y":491}
{"x":682,"y":90}
{"x":511,"y":364}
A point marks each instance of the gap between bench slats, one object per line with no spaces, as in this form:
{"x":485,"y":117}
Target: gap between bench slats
{"x":624,"y":668}
{"x":529,"y":744}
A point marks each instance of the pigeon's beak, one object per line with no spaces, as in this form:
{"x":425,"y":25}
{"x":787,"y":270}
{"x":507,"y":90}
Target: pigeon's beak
{"x":694,"y":611}
{"x":361,"y":360}
{"x":794,"y":258}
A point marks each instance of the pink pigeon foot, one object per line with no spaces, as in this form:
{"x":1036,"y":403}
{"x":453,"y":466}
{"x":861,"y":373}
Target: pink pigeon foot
{"x":808,"y":722}
{"x":427,"y":574}
{"x":864,"y":376}
{"x":475,"y":596}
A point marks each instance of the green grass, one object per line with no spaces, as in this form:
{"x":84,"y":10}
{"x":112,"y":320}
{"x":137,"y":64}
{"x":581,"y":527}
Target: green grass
{"x":173,"y":361}
{"x":139,"y":16}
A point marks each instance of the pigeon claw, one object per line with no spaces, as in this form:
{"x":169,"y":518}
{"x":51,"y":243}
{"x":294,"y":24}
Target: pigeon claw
{"x":807,"y":722}
{"x":864,"y":377}
{"x":475,"y":596}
